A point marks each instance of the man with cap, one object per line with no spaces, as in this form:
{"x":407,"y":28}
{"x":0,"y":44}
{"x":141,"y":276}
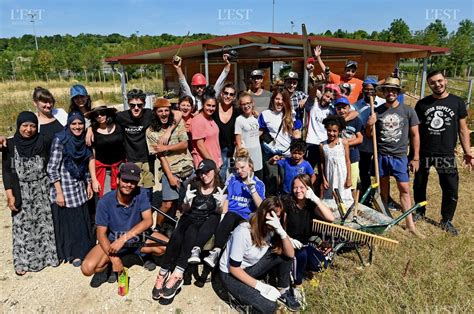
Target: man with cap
{"x":297,"y":97}
{"x":261,"y":97}
{"x":442,"y":118}
{"x":352,"y":133}
{"x":123,"y":218}
{"x":365,"y":149}
{"x":396,"y":126}
{"x":174,"y":164}
{"x":348,"y":77}
{"x":199,"y":82}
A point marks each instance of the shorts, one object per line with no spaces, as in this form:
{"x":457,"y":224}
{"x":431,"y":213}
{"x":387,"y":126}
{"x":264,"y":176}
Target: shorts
{"x":393,"y":166}
{"x":170,"y":193}
{"x":354,"y":174}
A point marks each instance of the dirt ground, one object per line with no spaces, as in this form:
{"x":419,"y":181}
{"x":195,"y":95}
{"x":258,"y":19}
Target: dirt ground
{"x":65,"y":289}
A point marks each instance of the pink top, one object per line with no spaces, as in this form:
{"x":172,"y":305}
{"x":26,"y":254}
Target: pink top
{"x":202,"y":128}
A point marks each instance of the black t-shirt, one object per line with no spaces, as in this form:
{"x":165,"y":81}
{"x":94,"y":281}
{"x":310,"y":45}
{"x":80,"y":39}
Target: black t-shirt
{"x":439,"y":124}
{"x":136,"y":149}
{"x":109,"y":148}
{"x":352,"y":128}
{"x":226,"y":130}
{"x":299,"y":222}
{"x":49,"y":130}
{"x":202,"y":205}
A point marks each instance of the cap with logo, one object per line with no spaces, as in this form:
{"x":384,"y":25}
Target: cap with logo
{"x":205,"y":165}
{"x":291,"y":76}
{"x":130,"y":171}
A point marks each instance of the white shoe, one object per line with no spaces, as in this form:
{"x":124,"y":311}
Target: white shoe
{"x":194,"y":258}
{"x":212,"y":258}
{"x":300,"y":297}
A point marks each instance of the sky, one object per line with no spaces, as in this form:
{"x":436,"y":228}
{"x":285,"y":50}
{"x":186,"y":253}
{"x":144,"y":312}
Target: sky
{"x":154,"y":17}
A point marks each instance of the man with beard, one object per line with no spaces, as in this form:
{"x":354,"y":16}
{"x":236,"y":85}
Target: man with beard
{"x":174,"y":164}
{"x":396,"y":128}
{"x":198,"y":82}
{"x":347,"y":77}
{"x":260,"y":96}
{"x":442,"y":118}
{"x":122,"y":217}
{"x":365,"y":149}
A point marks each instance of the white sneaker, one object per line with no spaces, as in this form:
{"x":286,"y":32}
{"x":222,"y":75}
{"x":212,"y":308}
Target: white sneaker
{"x":194,"y":258}
{"x":212,"y":258}
{"x":300,"y":297}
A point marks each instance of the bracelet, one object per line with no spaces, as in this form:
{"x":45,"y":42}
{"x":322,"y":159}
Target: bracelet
{"x":415,"y":160}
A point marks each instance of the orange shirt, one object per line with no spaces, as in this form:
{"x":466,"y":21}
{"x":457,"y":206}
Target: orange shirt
{"x":356,"y":85}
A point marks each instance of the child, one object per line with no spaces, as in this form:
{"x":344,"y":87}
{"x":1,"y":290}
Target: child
{"x":247,"y":134}
{"x":335,"y":163}
{"x":352,"y":133}
{"x":294,"y":165}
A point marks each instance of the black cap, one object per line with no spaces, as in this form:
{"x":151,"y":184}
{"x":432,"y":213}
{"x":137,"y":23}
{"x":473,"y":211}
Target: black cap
{"x":205,"y":165}
{"x":291,"y":76}
{"x":130,"y":171}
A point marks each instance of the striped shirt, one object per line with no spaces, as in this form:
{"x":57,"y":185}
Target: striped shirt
{"x":74,"y":190}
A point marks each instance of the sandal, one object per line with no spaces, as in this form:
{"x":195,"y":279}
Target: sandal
{"x":156,"y":292}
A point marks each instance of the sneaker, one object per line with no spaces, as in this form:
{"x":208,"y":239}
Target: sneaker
{"x":169,"y":293}
{"x":289,"y":301}
{"x":99,"y":278}
{"x":149,"y":265}
{"x":77,"y":262}
{"x":211,"y":259}
{"x":300,"y":297}
{"x":156,"y":292}
{"x":194,"y":258}
{"x":448,"y":227}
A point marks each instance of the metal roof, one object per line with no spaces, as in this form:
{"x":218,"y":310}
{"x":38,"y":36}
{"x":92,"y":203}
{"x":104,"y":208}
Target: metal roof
{"x":275,"y":42}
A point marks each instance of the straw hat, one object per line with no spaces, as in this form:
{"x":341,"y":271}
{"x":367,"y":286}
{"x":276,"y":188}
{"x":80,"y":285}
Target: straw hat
{"x":390,"y":82}
{"x":97,"y":106}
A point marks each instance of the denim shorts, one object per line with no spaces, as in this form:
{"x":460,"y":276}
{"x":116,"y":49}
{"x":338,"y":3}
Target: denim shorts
{"x":393,"y":166}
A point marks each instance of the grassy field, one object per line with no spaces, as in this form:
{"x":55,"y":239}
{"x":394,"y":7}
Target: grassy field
{"x":435,"y":275}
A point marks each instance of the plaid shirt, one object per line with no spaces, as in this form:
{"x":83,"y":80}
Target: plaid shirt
{"x":75,"y":191}
{"x":295,"y":99}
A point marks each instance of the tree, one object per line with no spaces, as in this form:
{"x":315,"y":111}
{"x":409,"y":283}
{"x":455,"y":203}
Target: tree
{"x":42,"y":62}
{"x":435,"y":34}
{"x":399,"y":32}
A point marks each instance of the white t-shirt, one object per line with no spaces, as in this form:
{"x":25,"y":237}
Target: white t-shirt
{"x":272,"y":120}
{"x":249,"y":131}
{"x":60,"y":115}
{"x":316,"y":131}
{"x":241,"y":249}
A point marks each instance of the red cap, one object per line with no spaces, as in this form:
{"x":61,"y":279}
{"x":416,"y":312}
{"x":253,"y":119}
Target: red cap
{"x":310,"y":60}
{"x":198,"y":79}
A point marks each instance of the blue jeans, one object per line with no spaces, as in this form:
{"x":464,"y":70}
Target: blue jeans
{"x":225,"y":162}
{"x":308,"y":258}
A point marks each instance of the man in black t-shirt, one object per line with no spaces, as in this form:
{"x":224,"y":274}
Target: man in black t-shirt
{"x":442,"y":117}
{"x":134,"y":123}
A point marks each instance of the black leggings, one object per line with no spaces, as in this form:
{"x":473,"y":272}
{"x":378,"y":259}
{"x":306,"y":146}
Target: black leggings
{"x":181,"y":242}
{"x":221,"y":230}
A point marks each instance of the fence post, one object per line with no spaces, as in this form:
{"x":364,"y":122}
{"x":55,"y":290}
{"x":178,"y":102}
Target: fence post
{"x":416,"y":82}
{"x":469,"y":93}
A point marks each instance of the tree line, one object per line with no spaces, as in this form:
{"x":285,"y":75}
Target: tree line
{"x":66,"y":55}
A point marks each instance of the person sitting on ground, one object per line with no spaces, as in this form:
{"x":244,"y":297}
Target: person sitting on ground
{"x":302,"y":206}
{"x":245,"y":192}
{"x":122,"y":218}
{"x":202,"y":202}
{"x":199,"y":83}
{"x":255,"y":248}
{"x":294,"y":165}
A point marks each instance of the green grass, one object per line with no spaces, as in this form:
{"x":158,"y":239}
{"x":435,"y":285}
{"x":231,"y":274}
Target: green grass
{"x":434,"y":275}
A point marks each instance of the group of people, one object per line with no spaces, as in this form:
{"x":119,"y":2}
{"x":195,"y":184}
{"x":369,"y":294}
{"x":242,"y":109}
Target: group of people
{"x":245,"y":183}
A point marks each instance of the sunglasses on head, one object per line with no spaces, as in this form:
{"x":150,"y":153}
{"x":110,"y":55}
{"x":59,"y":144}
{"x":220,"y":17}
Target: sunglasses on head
{"x":132,"y":106}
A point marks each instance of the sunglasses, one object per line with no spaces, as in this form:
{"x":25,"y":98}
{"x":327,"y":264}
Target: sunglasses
{"x":102,"y":113}
{"x":132,"y":106}
{"x":228,"y":94}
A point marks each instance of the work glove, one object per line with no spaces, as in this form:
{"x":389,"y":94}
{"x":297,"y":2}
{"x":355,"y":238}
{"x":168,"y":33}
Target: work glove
{"x":219,"y":196}
{"x":267,"y":291}
{"x":251,"y":184}
{"x":296,"y":244}
{"x":190,"y":194}
{"x":311,"y":196}
{"x":274,"y":221}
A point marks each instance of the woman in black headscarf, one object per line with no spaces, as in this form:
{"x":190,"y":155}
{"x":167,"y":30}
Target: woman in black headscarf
{"x":68,"y":171}
{"x":27,"y":187}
